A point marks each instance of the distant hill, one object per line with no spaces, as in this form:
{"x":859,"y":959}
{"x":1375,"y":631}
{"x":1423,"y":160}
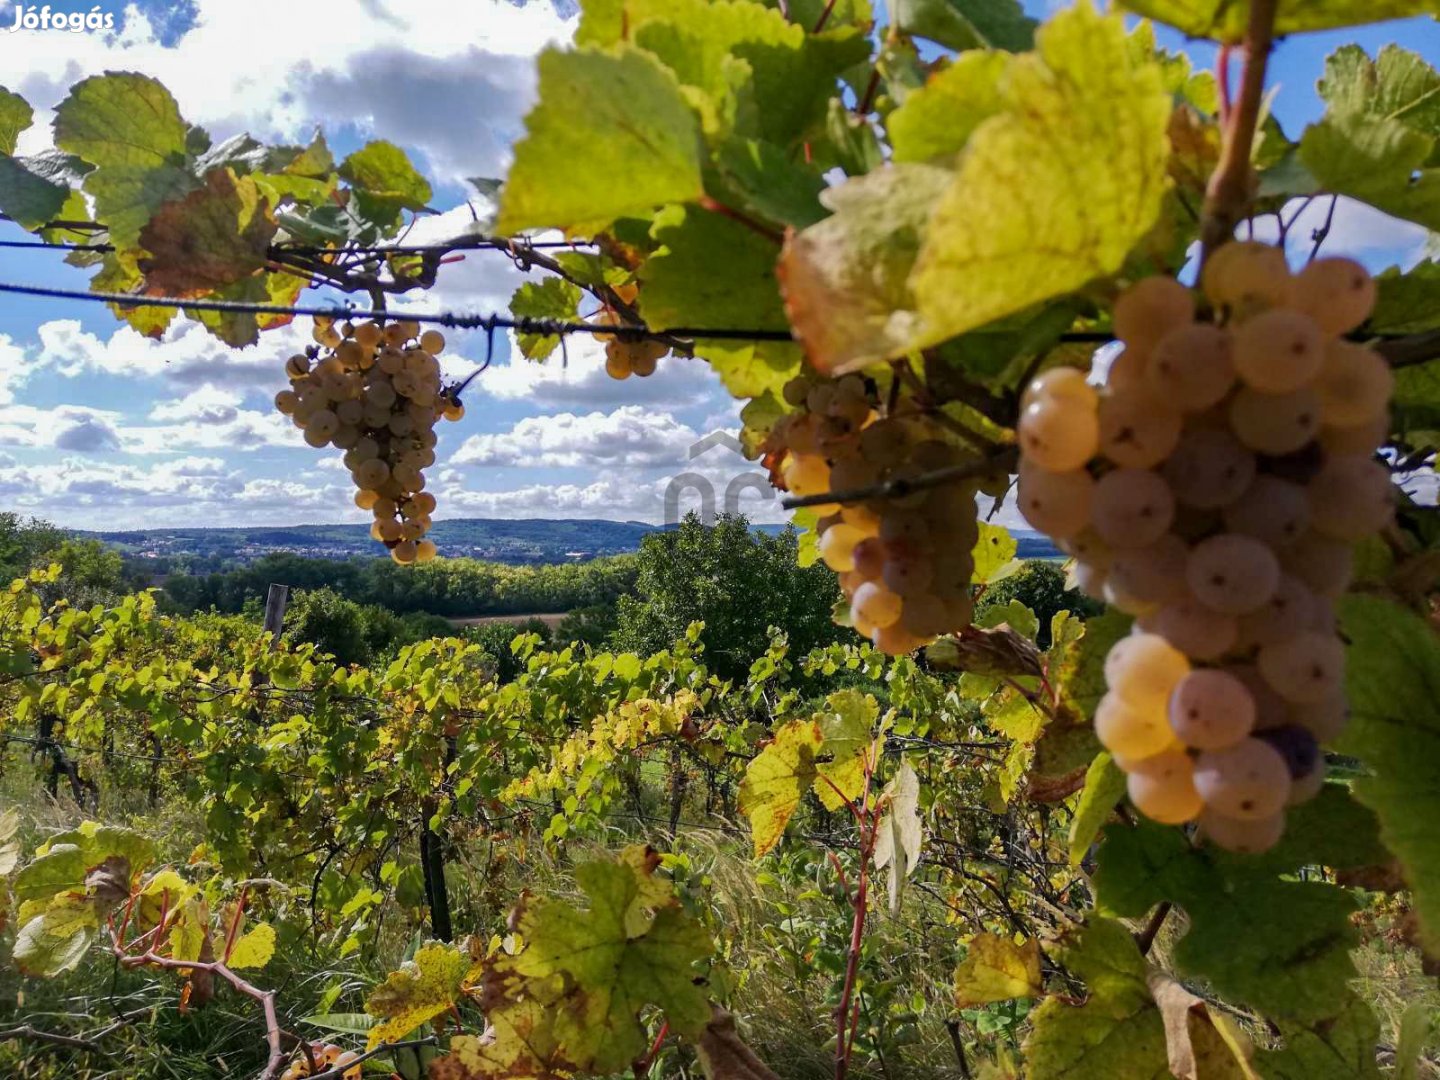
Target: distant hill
{"x":522,"y":540}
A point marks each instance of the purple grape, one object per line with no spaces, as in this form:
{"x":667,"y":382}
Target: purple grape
{"x":1296,"y":745}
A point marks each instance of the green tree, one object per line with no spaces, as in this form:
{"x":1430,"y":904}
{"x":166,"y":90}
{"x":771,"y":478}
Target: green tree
{"x":1040,"y":586}
{"x":736,"y":581}
{"x":326,"y":619}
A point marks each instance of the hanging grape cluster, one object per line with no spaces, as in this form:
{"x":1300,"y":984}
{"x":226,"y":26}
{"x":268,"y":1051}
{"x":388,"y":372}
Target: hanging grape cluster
{"x":1214,"y":488}
{"x":629,"y":356}
{"x":904,"y":562}
{"x":375,"y":392}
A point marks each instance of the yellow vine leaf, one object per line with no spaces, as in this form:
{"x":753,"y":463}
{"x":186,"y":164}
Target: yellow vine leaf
{"x":996,"y":969}
{"x":421,"y":990}
{"x":519,"y":1045}
{"x":254,"y":948}
{"x":1056,"y":188}
{"x":776,"y":779}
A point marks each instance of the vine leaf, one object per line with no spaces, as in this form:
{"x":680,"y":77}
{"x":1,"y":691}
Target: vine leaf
{"x":15,"y":116}
{"x":997,"y":969}
{"x":1201,"y":1042}
{"x":1116,"y":1033}
{"x":846,"y":279}
{"x":1054,"y":190}
{"x":1378,"y":134}
{"x":937,"y":120}
{"x":519,"y":1045}
{"x":121,"y":120}
{"x":713,"y":271}
{"x":384,"y":182}
{"x":1225,"y":20}
{"x":425,"y":987}
{"x":1393,"y":683}
{"x":552,"y":298}
{"x":211,"y":238}
{"x":845,"y":726}
{"x":1104,"y":787}
{"x":967,"y":24}
{"x":610,"y":967}
{"x":29,"y":198}
{"x":1281,"y":946}
{"x":776,"y":779}
{"x":901,"y":832}
{"x":254,"y":948}
{"x":56,"y":940}
{"x":638,"y":148}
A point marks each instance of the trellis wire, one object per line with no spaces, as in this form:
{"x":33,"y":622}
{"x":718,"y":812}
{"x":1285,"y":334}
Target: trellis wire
{"x":488,"y":322}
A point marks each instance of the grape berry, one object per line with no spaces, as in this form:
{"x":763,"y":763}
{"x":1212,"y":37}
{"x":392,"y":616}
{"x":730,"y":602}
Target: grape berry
{"x":1214,"y":489}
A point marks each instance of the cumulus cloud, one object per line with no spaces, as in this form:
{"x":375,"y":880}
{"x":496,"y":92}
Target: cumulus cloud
{"x":326,"y":63}
{"x":630,"y":437}
{"x":578,"y":378}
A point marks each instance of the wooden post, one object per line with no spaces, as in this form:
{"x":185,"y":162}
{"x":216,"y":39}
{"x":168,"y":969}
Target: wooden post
{"x":275,"y":601}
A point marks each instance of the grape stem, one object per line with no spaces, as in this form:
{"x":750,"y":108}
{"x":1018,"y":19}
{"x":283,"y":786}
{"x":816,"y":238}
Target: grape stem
{"x":1003,"y":458}
{"x":1231,"y":185}
{"x":1146,"y":938}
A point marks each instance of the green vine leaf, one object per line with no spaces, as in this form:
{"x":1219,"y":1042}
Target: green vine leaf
{"x":1393,"y":683}
{"x":1377,"y":138}
{"x":1117,"y":1033}
{"x":385,"y":183}
{"x":1104,"y":788}
{"x":552,"y":298}
{"x":15,"y":116}
{"x":638,"y":148}
{"x":611,"y":968}
{"x":1077,"y":157}
{"x":122,"y":120}
{"x":967,"y":24}
{"x":1281,"y":946}
{"x":712,"y":271}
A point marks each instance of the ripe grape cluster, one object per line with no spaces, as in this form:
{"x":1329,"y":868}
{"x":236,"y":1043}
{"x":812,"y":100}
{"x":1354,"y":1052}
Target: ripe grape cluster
{"x":375,"y":392}
{"x":905,"y":562}
{"x":626,"y":356}
{"x":1214,"y":488}
{"x":328,"y":1057}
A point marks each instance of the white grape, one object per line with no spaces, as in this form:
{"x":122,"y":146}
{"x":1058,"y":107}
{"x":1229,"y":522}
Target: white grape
{"x":1307,"y":668}
{"x":1232,"y":574}
{"x":1056,"y":503}
{"x":1247,"y":781}
{"x":1132,"y":508}
{"x":1162,"y":787}
{"x":1136,"y":431}
{"x":1275,"y":424}
{"x":1209,"y":469}
{"x":1337,"y":293}
{"x":1272,"y":510}
{"x":1279,"y":351}
{"x":1191,"y":368}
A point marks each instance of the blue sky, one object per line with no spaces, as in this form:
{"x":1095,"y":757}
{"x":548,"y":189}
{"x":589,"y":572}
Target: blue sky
{"x":100,"y":428}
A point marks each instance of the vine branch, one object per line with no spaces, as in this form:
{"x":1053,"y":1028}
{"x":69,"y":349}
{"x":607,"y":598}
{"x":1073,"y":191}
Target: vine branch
{"x":1231,"y":186}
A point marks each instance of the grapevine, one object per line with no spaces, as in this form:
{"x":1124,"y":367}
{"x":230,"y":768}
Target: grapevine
{"x":1137,"y":831}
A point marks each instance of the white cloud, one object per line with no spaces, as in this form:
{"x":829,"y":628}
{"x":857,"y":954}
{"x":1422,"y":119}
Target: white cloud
{"x":577,"y":377}
{"x":68,"y":427}
{"x":189,"y":490}
{"x":209,"y":404}
{"x":277,"y":68}
{"x":1355,"y":229}
{"x":630,"y":437}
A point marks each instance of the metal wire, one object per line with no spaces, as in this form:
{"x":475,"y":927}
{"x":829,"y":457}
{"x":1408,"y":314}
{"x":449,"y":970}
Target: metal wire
{"x":488,"y":322}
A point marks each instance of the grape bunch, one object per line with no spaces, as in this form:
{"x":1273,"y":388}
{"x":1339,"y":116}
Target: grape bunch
{"x":626,"y":356}
{"x":375,"y":392}
{"x":1214,"y":488}
{"x":904,"y":562}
